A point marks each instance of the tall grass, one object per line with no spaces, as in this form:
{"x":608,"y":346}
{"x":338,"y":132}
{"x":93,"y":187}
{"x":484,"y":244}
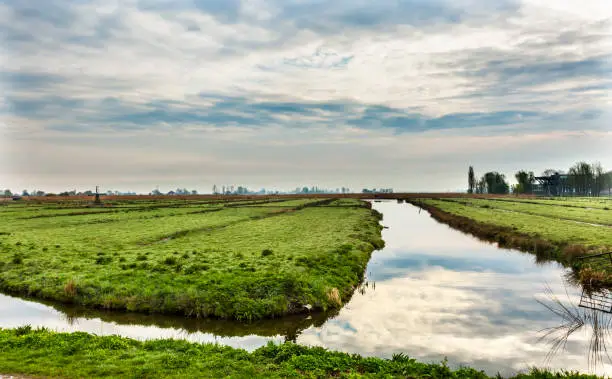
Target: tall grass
{"x":572,"y":319}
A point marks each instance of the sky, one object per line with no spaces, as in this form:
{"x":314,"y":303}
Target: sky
{"x":131,"y":95}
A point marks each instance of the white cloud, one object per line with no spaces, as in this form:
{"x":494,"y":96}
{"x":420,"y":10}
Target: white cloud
{"x":475,"y":57}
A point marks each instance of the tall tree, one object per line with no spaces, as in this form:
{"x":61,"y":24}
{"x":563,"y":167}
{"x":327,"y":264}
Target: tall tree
{"x":496,"y":183}
{"x":471,"y":180}
{"x":580,"y":178}
{"x":550,"y":171}
{"x":608,"y":182}
{"x":525,"y":181}
{"x":481,"y":185}
{"x":598,"y":178}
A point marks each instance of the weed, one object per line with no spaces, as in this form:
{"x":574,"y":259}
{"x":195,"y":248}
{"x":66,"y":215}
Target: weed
{"x":266,"y":252}
{"x":17,"y":259}
{"x":122,"y":259}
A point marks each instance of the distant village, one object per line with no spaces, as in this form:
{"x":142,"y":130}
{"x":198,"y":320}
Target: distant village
{"x":216,"y":190}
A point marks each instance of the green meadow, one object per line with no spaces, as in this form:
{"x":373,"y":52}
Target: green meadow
{"x":238,"y":260}
{"x":81,"y":355}
{"x":559,"y":229}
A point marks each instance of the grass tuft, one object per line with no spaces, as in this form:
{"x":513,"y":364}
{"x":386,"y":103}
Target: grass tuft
{"x":170,"y":261}
{"x":17,"y":259}
{"x":333,"y":296}
{"x":70,"y":288}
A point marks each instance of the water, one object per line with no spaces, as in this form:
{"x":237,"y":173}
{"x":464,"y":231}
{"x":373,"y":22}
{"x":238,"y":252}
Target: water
{"x":431,"y":293}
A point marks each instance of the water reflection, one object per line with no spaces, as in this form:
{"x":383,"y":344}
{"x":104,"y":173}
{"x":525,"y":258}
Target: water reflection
{"x":440,"y":293}
{"x":431,"y":293}
{"x":17,"y":312}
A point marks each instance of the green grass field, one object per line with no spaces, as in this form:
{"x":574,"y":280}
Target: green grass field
{"x":559,"y":229}
{"x":243,"y":260}
{"x":81,"y":355}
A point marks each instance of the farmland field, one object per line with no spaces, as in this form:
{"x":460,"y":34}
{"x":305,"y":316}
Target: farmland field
{"x":560,"y":229}
{"x":230,"y":259}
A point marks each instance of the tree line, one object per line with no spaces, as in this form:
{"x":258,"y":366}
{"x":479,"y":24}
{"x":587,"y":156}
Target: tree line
{"x":581,"y":179}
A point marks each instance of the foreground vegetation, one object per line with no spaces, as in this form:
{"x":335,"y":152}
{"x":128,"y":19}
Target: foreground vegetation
{"x":244,"y":260}
{"x":562,"y":230}
{"x":81,"y":355}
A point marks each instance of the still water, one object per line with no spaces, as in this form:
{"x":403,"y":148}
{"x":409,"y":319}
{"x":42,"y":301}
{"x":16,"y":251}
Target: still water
{"x":432,"y":292}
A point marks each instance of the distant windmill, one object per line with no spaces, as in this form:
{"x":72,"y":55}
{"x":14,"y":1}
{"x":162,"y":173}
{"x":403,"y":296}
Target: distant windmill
{"x":97,"y":200}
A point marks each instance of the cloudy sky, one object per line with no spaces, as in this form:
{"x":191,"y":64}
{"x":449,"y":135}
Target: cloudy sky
{"x":284,"y":93}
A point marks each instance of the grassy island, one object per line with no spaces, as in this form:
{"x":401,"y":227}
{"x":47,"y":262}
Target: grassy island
{"x":242,"y":260}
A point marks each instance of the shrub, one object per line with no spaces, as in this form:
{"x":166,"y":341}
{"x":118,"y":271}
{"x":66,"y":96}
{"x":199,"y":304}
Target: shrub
{"x":266,"y":252}
{"x":589,"y":276}
{"x":571,"y":252}
{"x":122,"y":259}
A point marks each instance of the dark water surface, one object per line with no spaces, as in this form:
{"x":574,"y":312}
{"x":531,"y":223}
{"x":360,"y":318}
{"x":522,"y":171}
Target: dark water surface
{"x":431,"y":293}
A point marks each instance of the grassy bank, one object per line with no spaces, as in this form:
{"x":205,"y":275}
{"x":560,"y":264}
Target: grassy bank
{"x":80,"y":355}
{"x":562,"y":232}
{"x":241,"y":260}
